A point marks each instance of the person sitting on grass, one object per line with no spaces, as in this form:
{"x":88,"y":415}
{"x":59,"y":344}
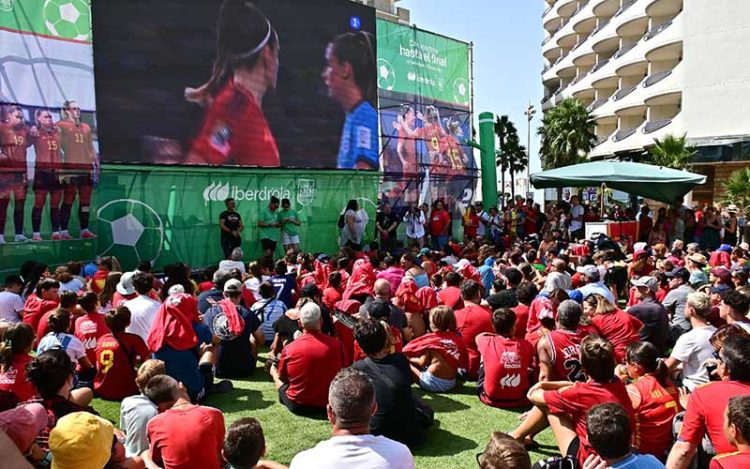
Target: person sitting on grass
{"x":737,"y":431}
{"x":58,"y":338}
{"x":183,"y":434}
{"x":609,"y":430}
{"x":472,"y":320}
{"x":351,"y":406}
{"x":394,"y":340}
{"x":559,"y":350}
{"x":436,"y":358}
{"x":563,"y":405}
{"x":68,"y":302}
{"x":615,"y":325}
{"x":136,"y":411}
{"x":245,"y":444}
{"x":506,"y":368}
{"x":117,"y":355}
{"x":268,"y":310}
{"x":504,"y":452}
{"x":307,"y":366}
{"x":89,"y":327}
{"x":15,"y":348}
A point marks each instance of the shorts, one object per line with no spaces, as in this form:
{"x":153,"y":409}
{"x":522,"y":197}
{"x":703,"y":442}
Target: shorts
{"x":268,"y":244}
{"x":298,"y":409}
{"x":78,"y":180}
{"x":287,"y":239}
{"x":574,"y":447}
{"x":12,"y":183}
{"x":432,"y":383}
{"x":47,"y":180}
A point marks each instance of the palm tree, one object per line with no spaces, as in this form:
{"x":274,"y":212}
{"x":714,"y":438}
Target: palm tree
{"x":737,"y":190}
{"x":506,"y":133}
{"x":671,"y":152}
{"x":518,"y":159}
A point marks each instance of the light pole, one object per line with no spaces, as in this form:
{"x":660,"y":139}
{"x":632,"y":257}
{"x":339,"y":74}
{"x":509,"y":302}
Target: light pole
{"x":529,"y":113}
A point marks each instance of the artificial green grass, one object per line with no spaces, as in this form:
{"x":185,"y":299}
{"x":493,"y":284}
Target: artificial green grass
{"x":462,"y":423}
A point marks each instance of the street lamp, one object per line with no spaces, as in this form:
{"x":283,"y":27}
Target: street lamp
{"x":529,"y":113}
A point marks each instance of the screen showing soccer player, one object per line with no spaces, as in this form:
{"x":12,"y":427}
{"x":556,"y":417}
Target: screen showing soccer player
{"x":284,"y":83}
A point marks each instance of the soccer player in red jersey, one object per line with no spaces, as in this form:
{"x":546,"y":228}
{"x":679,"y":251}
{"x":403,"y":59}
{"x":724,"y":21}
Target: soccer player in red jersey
{"x":655,"y":399}
{"x":80,"y":166}
{"x":563,"y":405}
{"x":560,"y":349}
{"x":615,"y":325}
{"x":705,"y":409}
{"x":473,"y":320}
{"x":406,"y":149}
{"x":46,"y":139}
{"x":117,"y":357}
{"x":235,"y":129}
{"x":506,"y":364}
{"x":14,"y":140}
{"x":91,"y":326}
{"x":737,"y":431}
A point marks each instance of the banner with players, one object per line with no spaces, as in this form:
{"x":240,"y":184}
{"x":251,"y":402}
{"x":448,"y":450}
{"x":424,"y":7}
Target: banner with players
{"x":170,"y":214}
{"x":261,"y":83}
{"x":48,"y":140}
{"x":424,"y":88}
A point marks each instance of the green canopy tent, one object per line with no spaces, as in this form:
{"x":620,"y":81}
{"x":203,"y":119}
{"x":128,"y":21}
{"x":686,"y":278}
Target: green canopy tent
{"x":645,"y":180}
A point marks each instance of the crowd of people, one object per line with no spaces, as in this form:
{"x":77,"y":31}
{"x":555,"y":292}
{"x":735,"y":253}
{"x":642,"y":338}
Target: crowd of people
{"x":634,"y":354}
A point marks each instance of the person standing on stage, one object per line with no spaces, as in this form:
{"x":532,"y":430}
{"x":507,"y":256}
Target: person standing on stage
{"x":46,"y":139}
{"x":289,"y":219}
{"x":14,"y":140}
{"x":268,"y":224}
{"x":231,"y":226}
{"x":80,"y":166}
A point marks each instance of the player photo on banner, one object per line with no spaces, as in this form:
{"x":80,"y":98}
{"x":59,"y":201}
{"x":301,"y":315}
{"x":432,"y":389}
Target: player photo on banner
{"x":266,"y":83}
{"x":48,"y":153}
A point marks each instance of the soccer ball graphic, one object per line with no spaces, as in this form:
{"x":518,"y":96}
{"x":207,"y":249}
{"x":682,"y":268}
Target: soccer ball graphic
{"x":461,"y":91}
{"x":130,"y":230}
{"x":70,"y":19}
{"x":386,"y":75}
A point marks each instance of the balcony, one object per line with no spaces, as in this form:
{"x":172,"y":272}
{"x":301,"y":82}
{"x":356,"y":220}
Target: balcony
{"x":599,"y":65}
{"x":624,"y":7}
{"x":624,"y":50}
{"x":664,"y":8}
{"x":597,"y":104}
{"x":623,"y":93}
{"x":656,"y":78}
{"x":623,"y":134}
{"x":653,"y":126}
{"x":653,"y":32}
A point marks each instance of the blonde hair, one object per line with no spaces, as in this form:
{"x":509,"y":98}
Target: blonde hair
{"x":148,"y":370}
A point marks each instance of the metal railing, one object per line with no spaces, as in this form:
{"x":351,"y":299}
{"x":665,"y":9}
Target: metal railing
{"x":653,"y":32}
{"x":600,"y":27}
{"x":625,"y":49}
{"x":624,"y":92}
{"x":599,"y":65}
{"x":624,"y":7}
{"x":623,"y":134}
{"x":602,"y":139}
{"x":651,"y":127}
{"x":656,"y":78}
{"x":597,"y":104}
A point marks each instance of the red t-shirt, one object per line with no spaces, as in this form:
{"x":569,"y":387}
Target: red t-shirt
{"x":115,"y":372}
{"x":47,"y":149}
{"x":472,"y":224}
{"x":88,"y":329}
{"x":35,"y":308}
{"x":504,"y":370}
{"x":522,"y":320}
{"x":541,"y":308}
{"x":309,"y":364}
{"x":705,"y":413}
{"x":331,"y":296}
{"x":235,"y":131}
{"x":41,"y":328}
{"x":735,"y":460}
{"x":451,"y":297}
{"x":14,"y":378}
{"x":530,"y":220}
{"x":118,"y":298}
{"x":472,"y":321}
{"x":652,"y":433}
{"x":76,"y":141}
{"x":580,"y":398}
{"x":187,"y":437}
{"x":566,"y":354}
{"x":439,"y":220}
{"x":620,"y":328}
{"x":13,"y":143}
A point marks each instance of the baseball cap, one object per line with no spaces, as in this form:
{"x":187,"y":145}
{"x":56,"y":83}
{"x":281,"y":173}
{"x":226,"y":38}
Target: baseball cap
{"x":723,"y":273}
{"x":720,"y":289}
{"x":679,"y":272}
{"x":232,"y":286}
{"x":591,"y":272}
{"x":125,"y":286}
{"x":424,"y":251}
{"x":324,"y":258}
{"x":81,"y":440}
{"x":725,"y":248}
{"x":649,"y":282}
{"x":22,"y":424}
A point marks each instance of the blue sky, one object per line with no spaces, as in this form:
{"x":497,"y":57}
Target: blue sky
{"x":507,"y":36}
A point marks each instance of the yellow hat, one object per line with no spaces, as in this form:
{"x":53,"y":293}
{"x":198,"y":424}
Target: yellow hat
{"x":81,"y":441}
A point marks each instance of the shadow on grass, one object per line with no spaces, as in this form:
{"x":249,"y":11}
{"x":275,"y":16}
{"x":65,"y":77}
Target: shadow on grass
{"x":238,"y":400}
{"x":441,"y":442}
{"x":442,"y":403}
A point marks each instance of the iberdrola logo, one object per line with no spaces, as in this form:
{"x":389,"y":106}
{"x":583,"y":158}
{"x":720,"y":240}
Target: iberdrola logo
{"x":216,"y":192}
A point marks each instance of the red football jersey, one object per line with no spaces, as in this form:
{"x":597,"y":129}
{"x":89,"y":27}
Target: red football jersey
{"x":88,"y":329}
{"x":235,"y":131}
{"x":472,"y":321}
{"x":504,"y":371}
{"x":47,"y":148}
{"x":652,"y":433}
{"x":522,"y":320}
{"x":566,"y":354}
{"x":13,"y":144}
{"x":408,"y":152}
{"x":541,"y":308}
{"x":77,"y":145}
{"x":620,"y":328}
{"x":13,"y":379}
{"x":115,"y":366}
{"x":309,"y":364}
{"x":34,"y":309}
{"x":735,"y":460}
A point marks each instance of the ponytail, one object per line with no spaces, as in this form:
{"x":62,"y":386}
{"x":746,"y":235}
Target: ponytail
{"x":18,"y":339}
{"x":646,"y":355}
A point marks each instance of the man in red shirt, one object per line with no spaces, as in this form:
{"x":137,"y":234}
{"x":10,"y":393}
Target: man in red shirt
{"x":530,"y":218}
{"x":183,"y":435}
{"x":737,"y":431}
{"x":45,"y":298}
{"x":564,"y":405}
{"x":506,"y":363}
{"x":473,"y":320}
{"x":440,"y":225}
{"x":705,"y":409}
{"x":560,"y":350}
{"x":450,"y":296}
{"x":308,"y":365}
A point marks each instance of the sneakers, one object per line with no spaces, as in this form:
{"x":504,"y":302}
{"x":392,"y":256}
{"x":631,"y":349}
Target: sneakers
{"x":36,"y":237}
{"x":222,"y":387}
{"x":2,"y":239}
{"x":56,"y":236}
{"x":65,"y":235}
{"x":21,"y":238}
{"x":86,"y":234}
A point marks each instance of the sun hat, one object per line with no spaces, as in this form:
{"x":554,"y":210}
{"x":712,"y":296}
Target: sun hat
{"x":679,"y":272}
{"x":22,"y":424}
{"x":125,"y":286}
{"x":81,"y":440}
{"x":697,"y":258}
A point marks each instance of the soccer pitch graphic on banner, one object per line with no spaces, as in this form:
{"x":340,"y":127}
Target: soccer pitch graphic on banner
{"x":424,"y":89}
{"x":48,"y":130}
{"x":167,"y":214}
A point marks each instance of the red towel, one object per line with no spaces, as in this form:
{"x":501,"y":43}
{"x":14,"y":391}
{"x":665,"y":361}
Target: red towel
{"x":236,"y":324}
{"x":448,"y":344}
{"x":173,"y":324}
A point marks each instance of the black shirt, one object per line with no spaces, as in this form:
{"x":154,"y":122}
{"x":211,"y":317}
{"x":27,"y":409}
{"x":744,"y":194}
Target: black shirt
{"x":396,"y":417}
{"x":385,"y":221}
{"x":236,"y":358}
{"x":231,"y":220}
{"x":655,"y":323}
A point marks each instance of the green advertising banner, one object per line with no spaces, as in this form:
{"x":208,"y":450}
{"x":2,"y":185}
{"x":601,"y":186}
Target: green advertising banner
{"x":166,"y":215}
{"x":420,"y":63}
{"x":59,"y":19}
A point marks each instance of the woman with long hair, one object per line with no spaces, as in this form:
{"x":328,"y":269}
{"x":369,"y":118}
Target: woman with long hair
{"x":15,"y":349}
{"x":351,"y":232}
{"x":613,"y":324}
{"x":46,"y":139}
{"x":107,"y":294}
{"x":234,"y":129}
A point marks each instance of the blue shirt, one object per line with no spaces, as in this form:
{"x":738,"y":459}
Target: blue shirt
{"x":638,"y":461}
{"x":487,"y":276}
{"x":182,"y":365}
{"x":284,"y":286}
{"x":272,"y":311}
{"x":359,"y":139}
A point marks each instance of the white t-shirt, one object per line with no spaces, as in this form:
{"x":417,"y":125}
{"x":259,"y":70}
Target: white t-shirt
{"x":692,"y":349}
{"x":576,"y":212}
{"x":135,"y":412}
{"x":559,"y":280}
{"x":253,"y":285}
{"x":360,"y":451}
{"x":67,"y":342}
{"x":142,"y":313}
{"x":414,"y":225}
{"x":75,"y":285}
{"x":346,"y":233}
{"x":229,"y":265}
{"x":484,"y":221}
{"x":11,"y":304}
